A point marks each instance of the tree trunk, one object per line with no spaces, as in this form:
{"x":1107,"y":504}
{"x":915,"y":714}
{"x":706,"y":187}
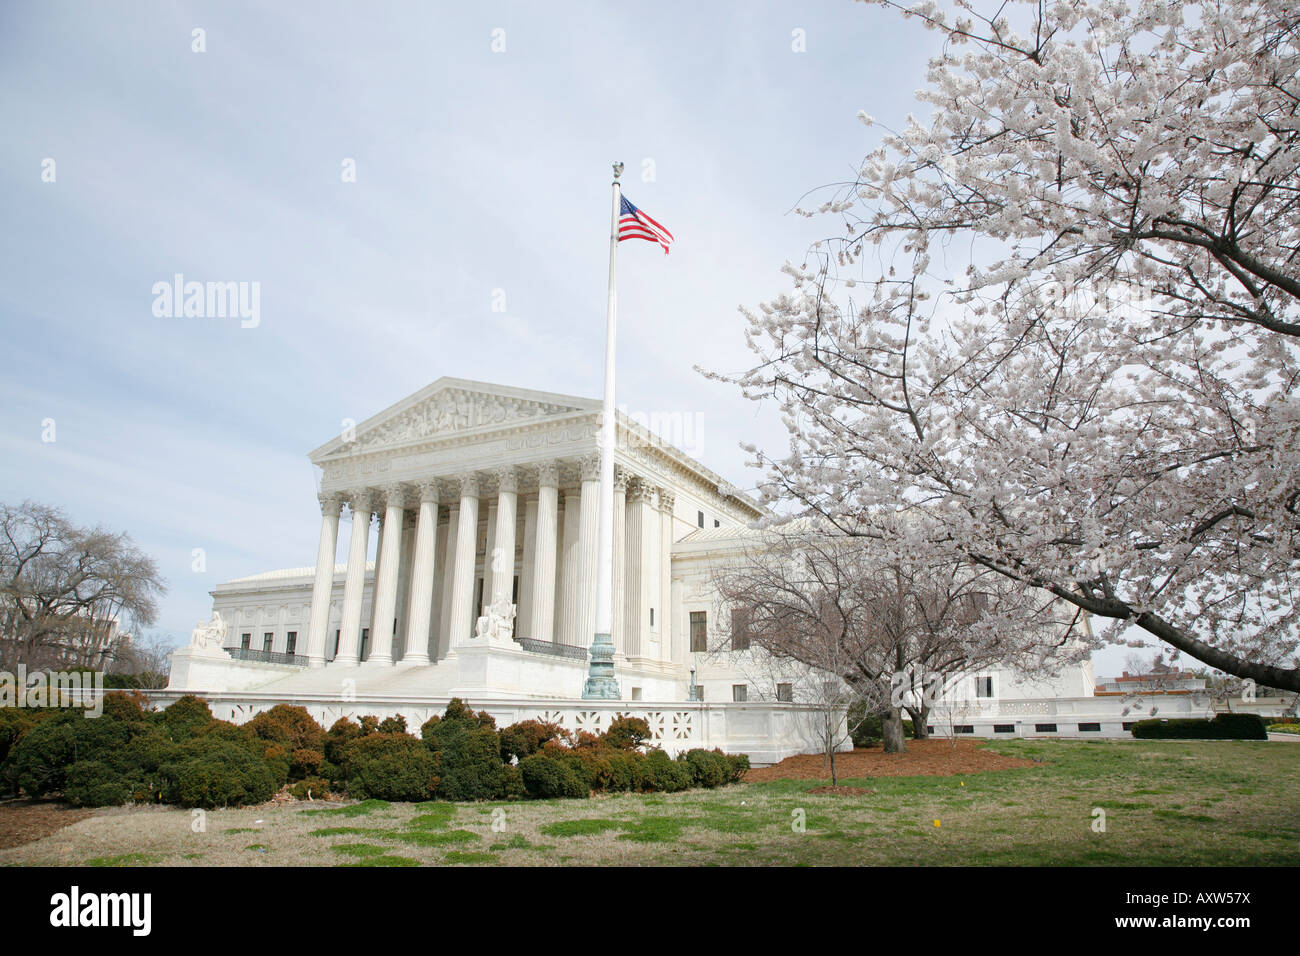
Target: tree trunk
{"x":919,"y":716}
{"x":891,"y":727}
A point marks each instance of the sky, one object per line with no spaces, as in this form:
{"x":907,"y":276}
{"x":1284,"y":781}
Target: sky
{"x":415,"y":190}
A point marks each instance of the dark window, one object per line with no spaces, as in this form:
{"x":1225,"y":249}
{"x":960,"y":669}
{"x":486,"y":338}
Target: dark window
{"x":652,"y":617}
{"x":929,"y":728}
{"x":268,"y":641}
{"x":785,"y":692}
{"x":478,"y":598}
{"x":1004,"y":728}
{"x":984,"y":687}
{"x":1045,"y":728}
{"x":699,"y":631}
{"x":365,"y":643}
{"x":1128,"y":724}
{"x":336,"y":642}
{"x":246,"y":641}
{"x":963,"y":729}
{"x":717,"y":523}
{"x":701,"y":519}
{"x":739,"y":693}
{"x":740,"y":629}
{"x":1090,"y":728}
{"x":291,"y":642}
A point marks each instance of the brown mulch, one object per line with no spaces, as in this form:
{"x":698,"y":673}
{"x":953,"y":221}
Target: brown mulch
{"x":924,"y":758}
{"x":25,"y":821}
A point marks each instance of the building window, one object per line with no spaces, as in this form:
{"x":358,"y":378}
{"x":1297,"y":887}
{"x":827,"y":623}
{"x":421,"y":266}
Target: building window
{"x":739,"y":693}
{"x":1128,"y":724}
{"x":717,"y":523}
{"x":785,"y":693}
{"x":1090,"y":728}
{"x":984,"y":687}
{"x":929,"y":728}
{"x":1044,"y":728}
{"x":291,"y":642}
{"x":268,"y":641}
{"x":964,"y":729}
{"x":636,"y":693}
{"x":1004,"y":728}
{"x":699,"y":631}
{"x":652,"y":617}
{"x":701,"y":519}
{"x":336,"y":642}
{"x":365,"y":643}
{"x":740,"y":628}
{"x":699,"y":692}
{"x":246,"y":641}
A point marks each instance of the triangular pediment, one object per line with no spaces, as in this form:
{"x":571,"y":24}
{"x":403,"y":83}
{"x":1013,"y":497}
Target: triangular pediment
{"x":449,"y":407}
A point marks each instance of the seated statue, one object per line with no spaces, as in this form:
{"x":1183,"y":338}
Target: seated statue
{"x":211,"y":636}
{"x":498,"y":623}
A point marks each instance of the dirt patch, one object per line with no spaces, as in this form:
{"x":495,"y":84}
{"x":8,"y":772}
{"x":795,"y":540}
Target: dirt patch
{"x":26,"y":821}
{"x":924,"y":758}
{"x":843,"y":791}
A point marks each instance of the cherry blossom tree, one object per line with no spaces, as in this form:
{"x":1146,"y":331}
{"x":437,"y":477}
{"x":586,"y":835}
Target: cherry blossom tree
{"x":1053,"y":330}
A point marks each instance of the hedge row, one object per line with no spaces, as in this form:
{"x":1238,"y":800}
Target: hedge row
{"x":182,"y":755}
{"x":1220,"y":727}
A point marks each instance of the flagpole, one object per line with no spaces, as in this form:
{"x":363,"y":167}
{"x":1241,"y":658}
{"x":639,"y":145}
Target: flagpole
{"x":601,"y":683}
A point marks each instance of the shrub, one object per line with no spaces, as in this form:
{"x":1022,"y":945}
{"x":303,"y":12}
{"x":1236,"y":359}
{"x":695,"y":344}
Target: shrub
{"x":627,"y":733}
{"x":390,"y":767}
{"x":512,"y":782}
{"x":546,"y":777}
{"x":739,"y":766}
{"x":666,"y":774}
{"x":1221,"y":727}
{"x":393,"y":725}
{"x":709,"y":768}
{"x":301,"y":739}
{"x":527,"y":737}
{"x":468,"y":760}
{"x":341,"y":733}
{"x":186,"y":717}
{"x":91,"y":783}
{"x":14,"y":722}
{"x":123,"y":707}
{"x":217,"y":773}
{"x":39,"y":761}
{"x":1284,"y":728}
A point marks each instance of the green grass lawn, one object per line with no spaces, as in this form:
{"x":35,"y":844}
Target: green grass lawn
{"x":1169,"y":803}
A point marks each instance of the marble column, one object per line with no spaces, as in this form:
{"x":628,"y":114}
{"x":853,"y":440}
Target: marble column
{"x":489,"y":545}
{"x":389,"y":561}
{"x":323,"y":587}
{"x":527,"y":548}
{"x":354,"y":587}
{"x":448,"y":580}
{"x":618,"y":598}
{"x":541,"y":626}
{"x":421,"y":599}
{"x":461,"y":623}
{"x":503,"y":548}
{"x":566,"y":613}
{"x":588,"y":530}
{"x":666,"y":502}
{"x":640,"y":539}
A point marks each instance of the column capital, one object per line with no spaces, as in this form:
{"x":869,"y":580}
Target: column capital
{"x":361,"y":501}
{"x":591,"y":466}
{"x":429,"y":491}
{"x":507,"y":480}
{"x":330,"y":504}
{"x":394,"y":496}
{"x":666,"y":500}
{"x":469,"y":485}
{"x":548,"y":474}
{"x":639,"y":490}
{"x":621,"y":478}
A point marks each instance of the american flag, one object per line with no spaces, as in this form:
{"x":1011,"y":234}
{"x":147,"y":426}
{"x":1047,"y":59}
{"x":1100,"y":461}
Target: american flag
{"x":634,"y":224}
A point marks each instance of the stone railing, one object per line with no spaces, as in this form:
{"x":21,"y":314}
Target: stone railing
{"x":570,"y":651}
{"x":265,"y":657}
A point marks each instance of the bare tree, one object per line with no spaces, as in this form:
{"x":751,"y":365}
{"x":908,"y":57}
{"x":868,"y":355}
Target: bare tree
{"x":69,"y":595}
{"x":888,"y":632}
